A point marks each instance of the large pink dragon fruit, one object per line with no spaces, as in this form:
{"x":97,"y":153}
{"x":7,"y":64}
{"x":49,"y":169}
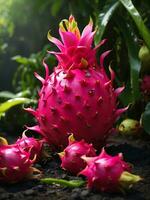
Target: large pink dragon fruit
{"x":78,"y":97}
{"x":71,"y":156}
{"x":15,"y":164}
{"x":107,"y":173}
{"x":30,"y":144}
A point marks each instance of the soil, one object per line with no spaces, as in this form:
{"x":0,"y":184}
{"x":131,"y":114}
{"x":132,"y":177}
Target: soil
{"x":135,"y":151}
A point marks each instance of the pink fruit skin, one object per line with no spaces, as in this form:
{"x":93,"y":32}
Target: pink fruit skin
{"x":103,"y":172}
{"x":71,"y":156}
{"x":30,"y":144}
{"x":78,"y":97}
{"x":145,"y":85}
{"x":15,"y":164}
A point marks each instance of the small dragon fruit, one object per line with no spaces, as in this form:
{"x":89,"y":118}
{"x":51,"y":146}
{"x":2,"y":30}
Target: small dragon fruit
{"x":78,"y":97}
{"x":107,"y":173}
{"x":144,"y":56}
{"x":71,"y":156}
{"x":30,"y":144}
{"x":145,"y":85}
{"x":130,"y":127}
{"x":15,"y":164}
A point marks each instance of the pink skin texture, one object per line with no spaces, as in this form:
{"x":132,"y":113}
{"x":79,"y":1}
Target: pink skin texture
{"x":145,"y":85}
{"x":30,"y":144}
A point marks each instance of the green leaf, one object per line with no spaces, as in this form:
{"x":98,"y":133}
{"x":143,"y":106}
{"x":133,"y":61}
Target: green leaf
{"x":20,"y":59}
{"x":71,"y":183}
{"x":126,"y":96}
{"x":24,"y":93}
{"x":104,"y":18}
{"x":10,"y":95}
{"x":146,"y":118}
{"x":134,"y":61}
{"x":56,"y":6}
{"x":12,"y":102}
{"x":143,"y":30}
{"x":7,"y":95}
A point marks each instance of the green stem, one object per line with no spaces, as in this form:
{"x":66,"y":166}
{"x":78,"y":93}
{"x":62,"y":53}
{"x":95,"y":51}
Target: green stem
{"x":127,"y":179}
{"x":143,"y":30}
{"x":71,"y":184}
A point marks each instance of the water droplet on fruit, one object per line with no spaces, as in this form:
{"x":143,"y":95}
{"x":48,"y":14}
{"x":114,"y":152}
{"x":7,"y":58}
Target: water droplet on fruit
{"x":59,"y":100}
{"x":91,"y":92}
{"x":100,"y":100}
{"x":87,"y":74}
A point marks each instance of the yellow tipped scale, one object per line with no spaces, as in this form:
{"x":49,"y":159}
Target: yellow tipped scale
{"x":3,"y":171}
{"x":71,"y":139}
{"x":70,"y":25}
{"x":61,"y":154}
{"x":84,"y":63}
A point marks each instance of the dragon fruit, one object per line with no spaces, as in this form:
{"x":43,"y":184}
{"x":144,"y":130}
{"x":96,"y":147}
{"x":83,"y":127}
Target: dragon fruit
{"x":30,"y":144}
{"x":145,"y":85}
{"x":78,"y":97}
{"x":15,"y":164}
{"x":71,"y":156}
{"x":130,"y":127}
{"x":107,"y":173}
{"x":144,"y":56}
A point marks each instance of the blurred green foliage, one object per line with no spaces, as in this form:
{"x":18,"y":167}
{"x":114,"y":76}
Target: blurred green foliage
{"x":6,"y":25}
{"x":24,"y":76}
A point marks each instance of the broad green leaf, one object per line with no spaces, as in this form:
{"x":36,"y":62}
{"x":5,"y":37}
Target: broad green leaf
{"x":133,"y":59}
{"x":12,"y":102}
{"x":146,"y":118}
{"x":104,"y":18}
{"x":7,"y":95}
{"x":143,"y":30}
{"x":23,"y":93}
{"x":126,"y":96}
{"x":20,"y":59}
{"x":25,"y":61}
{"x":10,"y":95}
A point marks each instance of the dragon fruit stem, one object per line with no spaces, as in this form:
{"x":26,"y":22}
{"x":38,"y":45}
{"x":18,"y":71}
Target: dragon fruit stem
{"x":127,"y":180}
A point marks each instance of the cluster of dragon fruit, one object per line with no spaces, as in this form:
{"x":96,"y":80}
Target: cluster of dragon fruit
{"x":77,"y":108}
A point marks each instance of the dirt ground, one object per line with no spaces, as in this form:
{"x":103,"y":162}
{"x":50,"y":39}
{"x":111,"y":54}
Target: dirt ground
{"x":136,"y":151}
